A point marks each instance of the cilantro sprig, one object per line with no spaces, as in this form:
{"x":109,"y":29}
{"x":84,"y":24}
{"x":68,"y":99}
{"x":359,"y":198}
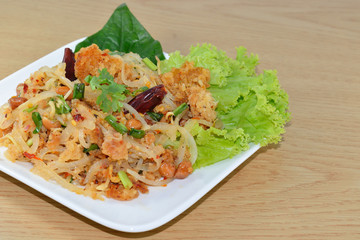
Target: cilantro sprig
{"x":112,"y":93}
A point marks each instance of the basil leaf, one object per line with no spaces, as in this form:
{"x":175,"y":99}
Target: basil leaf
{"x":124,"y":33}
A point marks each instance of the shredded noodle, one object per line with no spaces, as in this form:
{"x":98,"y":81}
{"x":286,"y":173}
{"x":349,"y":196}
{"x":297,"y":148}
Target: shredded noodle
{"x":70,"y":141}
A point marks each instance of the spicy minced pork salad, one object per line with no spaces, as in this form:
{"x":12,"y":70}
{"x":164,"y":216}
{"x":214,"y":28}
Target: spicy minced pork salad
{"x":116,"y":117}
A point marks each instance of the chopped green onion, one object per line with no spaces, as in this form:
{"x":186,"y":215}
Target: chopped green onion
{"x":79,"y":89}
{"x":92,"y":147}
{"x":139,"y":90}
{"x":155,"y":116}
{"x":137,"y":133}
{"x":38,"y":121}
{"x":125,"y":179}
{"x":61,"y":107}
{"x":150,"y":64}
{"x":180,"y":109}
{"x":119,"y":127}
{"x":30,"y":109}
{"x":29,"y":142}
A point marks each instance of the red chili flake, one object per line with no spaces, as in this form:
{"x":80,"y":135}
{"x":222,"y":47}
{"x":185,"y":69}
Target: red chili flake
{"x":31,"y":156}
{"x":25,"y":88}
{"x":78,"y":117}
{"x":66,"y":174}
{"x":104,"y":54}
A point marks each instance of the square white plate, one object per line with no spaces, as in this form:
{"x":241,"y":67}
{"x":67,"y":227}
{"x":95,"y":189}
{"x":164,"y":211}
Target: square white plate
{"x":148,"y":211}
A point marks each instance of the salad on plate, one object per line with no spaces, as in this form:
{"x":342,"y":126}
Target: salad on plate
{"x":115,"y":116}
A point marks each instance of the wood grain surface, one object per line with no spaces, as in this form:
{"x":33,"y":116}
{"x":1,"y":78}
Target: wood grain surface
{"x":306,"y":187}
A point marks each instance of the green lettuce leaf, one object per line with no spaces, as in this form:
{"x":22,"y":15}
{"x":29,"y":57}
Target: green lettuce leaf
{"x":220,"y":65}
{"x":247,"y":101}
{"x":124,"y":33}
{"x":215,"y":145}
{"x":257,"y":104}
{"x":175,"y":60}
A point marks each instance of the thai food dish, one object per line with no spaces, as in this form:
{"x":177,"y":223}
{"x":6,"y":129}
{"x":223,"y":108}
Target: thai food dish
{"x":112,"y":120}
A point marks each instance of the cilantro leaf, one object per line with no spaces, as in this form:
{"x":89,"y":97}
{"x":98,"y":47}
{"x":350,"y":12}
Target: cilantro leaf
{"x":112,"y":93}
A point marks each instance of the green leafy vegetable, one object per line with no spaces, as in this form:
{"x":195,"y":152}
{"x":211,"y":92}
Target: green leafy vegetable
{"x":208,"y":56}
{"x":215,"y":145}
{"x":79,"y":90}
{"x":124,"y":33}
{"x":112,"y":93}
{"x":61,"y":107}
{"x":125,"y":179}
{"x":247,"y":101}
{"x":119,"y":127}
{"x":38,"y":121}
{"x":262,"y":106}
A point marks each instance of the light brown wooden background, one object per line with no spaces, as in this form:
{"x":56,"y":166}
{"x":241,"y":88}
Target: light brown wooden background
{"x":307,"y":187}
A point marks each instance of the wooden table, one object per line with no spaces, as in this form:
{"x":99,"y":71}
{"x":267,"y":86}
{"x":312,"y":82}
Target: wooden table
{"x":307,"y":187}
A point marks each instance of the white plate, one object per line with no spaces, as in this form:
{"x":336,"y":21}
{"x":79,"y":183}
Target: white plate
{"x":148,"y":211}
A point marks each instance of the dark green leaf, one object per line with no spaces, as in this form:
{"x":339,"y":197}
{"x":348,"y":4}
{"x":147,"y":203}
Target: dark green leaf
{"x":124,"y":33}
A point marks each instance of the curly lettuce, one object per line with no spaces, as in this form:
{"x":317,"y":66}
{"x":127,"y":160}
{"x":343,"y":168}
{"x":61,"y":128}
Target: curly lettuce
{"x":216,"y":144}
{"x":248,"y":102}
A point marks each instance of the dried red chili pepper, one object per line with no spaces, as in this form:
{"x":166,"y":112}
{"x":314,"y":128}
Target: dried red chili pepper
{"x":69,"y":59}
{"x":146,"y":101}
